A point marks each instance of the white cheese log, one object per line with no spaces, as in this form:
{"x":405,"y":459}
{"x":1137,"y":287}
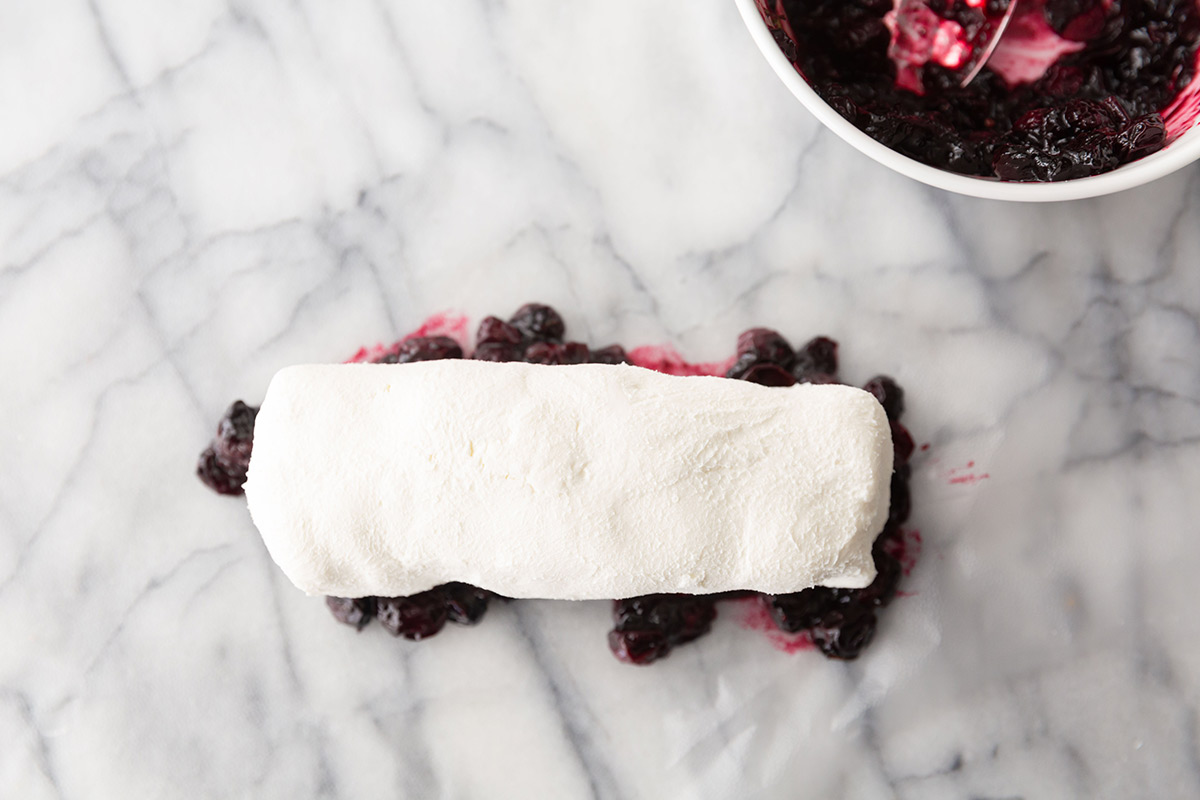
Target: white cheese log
{"x":565,"y":482}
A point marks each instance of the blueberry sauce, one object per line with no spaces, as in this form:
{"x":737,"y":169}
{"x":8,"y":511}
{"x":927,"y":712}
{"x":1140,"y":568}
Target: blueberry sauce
{"x":223,"y":464}
{"x":1099,"y":100}
{"x":839,"y":622}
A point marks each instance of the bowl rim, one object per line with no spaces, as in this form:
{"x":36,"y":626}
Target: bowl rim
{"x":1179,"y":154}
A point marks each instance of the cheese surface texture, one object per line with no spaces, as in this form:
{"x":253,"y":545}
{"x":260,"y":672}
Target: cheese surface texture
{"x":564,"y":482}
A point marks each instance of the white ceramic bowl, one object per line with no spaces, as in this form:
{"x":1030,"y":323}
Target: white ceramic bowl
{"x":1182,"y":151}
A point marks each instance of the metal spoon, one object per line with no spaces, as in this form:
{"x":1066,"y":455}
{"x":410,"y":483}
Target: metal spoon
{"x":990,"y":48}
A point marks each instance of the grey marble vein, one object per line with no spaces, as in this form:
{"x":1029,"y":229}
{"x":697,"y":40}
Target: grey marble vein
{"x":193,"y":196}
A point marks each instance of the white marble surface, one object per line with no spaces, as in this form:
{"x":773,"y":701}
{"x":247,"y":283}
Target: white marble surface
{"x":192,"y":196}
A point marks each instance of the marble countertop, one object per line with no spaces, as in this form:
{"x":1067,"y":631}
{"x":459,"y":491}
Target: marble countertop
{"x":192,"y":197}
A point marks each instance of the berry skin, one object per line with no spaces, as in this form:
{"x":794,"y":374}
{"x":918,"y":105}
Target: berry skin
{"x":841,"y":622}
{"x":818,"y":357}
{"x":223,"y":465}
{"x":889,"y":394}
{"x":769,"y":375}
{"x":550,"y":353}
{"x":1145,"y":135}
{"x":843,"y":634}
{"x":235,"y":435}
{"x":424,"y":348}
{"x":1078,"y":20}
{"x":465,"y":604}
{"x":1074,"y":140}
{"x":648,"y":627}
{"x":761,"y":347}
{"x":494,"y":330}
{"x":799,"y":611}
{"x":539,"y":323}
{"x":887,"y":577}
{"x":419,"y":616}
{"x":613,"y":354}
{"x":499,"y":351}
{"x":415,"y":617}
{"x":497,"y":340}
{"x":639,"y":647}
{"x":353,"y":611}
{"x":217,"y":476}
{"x":903,"y":443}
{"x":901,"y":505}
{"x":765,"y":345}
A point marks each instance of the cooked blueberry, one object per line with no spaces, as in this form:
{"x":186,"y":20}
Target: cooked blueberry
{"x":648,"y":627}
{"x":1074,"y":140}
{"x":902,"y":443}
{"x":465,"y":604}
{"x":498,"y":351}
{"x":682,"y":617}
{"x":539,"y":323}
{"x":800,"y":610}
{"x":355,"y":611}
{"x":761,"y":347}
{"x":613,"y":354}
{"x":765,"y":345}
{"x":817,"y":357}
{"x":415,"y":617}
{"x":551,"y":353}
{"x":769,"y":375}
{"x":741,"y":365}
{"x":638,"y":646}
{"x":882,"y":590}
{"x":235,"y":435}
{"x":1079,"y":20}
{"x":424,"y":348}
{"x":901,"y":505}
{"x":1142,"y":136}
{"x":217,"y":476}
{"x":222,"y":466}
{"x":494,"y":330}
{"x":844,"y":633}
{"x":889,"y":394}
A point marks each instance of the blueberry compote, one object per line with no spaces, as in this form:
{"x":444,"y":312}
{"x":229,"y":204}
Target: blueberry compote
{"x":841,"y":622}
{"x":223,"y":464}
{"x":1097,"y":106}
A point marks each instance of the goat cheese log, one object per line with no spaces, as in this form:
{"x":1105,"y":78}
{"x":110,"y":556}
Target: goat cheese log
{"x":564,"y":482}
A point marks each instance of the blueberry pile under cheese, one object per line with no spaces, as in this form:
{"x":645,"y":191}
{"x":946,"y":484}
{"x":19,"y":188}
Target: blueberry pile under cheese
{"x":415,"y":492}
